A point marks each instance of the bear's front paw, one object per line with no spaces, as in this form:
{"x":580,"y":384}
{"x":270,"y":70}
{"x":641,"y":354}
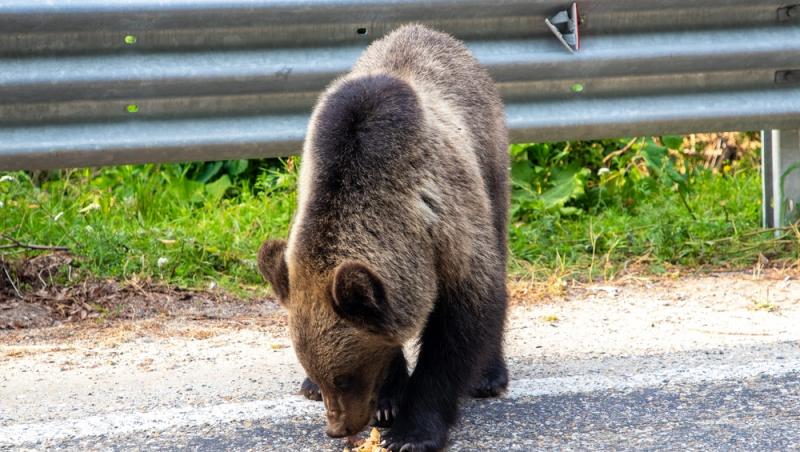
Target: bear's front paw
{"x":413,"y":445}
{"x":493,"y":382}
{"x":389,"y":401}
{"x":385,"y":413}
{"x":414,"y":440}
{"x":310,"y":390}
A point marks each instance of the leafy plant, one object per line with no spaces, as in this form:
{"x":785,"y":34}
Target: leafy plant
{"x":204,"y":172}
{"x":576,"y":178}
{"x":663,"y":165}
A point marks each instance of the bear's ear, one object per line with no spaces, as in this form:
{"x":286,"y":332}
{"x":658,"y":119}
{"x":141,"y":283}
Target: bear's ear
{"x":359,"y":296}
{"x":272,"y":265}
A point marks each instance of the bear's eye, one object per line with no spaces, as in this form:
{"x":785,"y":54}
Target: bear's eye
{"x":343,"y":383}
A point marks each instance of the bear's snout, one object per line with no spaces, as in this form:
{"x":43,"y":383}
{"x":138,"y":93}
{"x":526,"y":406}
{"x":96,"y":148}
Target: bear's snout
{"x":346,"y":422}
{"x":337,"y":430}
{"x":341,"y":425}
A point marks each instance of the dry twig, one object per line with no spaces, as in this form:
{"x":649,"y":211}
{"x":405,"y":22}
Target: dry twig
{"x":619,"y":152}
{"x":17,"y":244}
{"x":11,"y":280}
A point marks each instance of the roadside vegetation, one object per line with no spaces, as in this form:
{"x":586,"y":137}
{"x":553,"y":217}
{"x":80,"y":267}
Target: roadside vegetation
{"x":580,"y":210}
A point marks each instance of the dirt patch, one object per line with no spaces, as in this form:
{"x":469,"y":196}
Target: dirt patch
{"x":46,"y":291}
{"x":526,"y":291}
{"x":23,"y":342}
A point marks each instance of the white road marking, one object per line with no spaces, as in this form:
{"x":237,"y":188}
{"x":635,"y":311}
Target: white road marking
{"x":121,"y":423}
{"x":664,"y":377}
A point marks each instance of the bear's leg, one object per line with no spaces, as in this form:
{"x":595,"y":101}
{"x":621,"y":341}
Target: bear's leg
{"x":461,"y":333}
{"x":391,"y":391}
{"x":310,"y":390}
{"x":494,"y":378}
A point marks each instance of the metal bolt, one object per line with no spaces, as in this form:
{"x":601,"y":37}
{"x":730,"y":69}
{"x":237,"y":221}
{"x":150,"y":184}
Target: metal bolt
{"x":789,"y":12}
{"x":787,"y":77}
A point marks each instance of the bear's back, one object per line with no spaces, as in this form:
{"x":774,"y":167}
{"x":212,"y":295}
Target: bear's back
{"x":443,"y":66}
{"x":404,"y":167}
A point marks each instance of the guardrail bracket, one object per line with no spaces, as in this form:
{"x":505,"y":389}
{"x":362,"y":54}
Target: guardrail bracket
{"x":565,"y":26}
{"x":780,"y":171}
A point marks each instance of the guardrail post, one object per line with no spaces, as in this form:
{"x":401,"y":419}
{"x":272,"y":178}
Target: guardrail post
{"x":780,"y":166}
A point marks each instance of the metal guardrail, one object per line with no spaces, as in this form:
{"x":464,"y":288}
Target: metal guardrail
{"x":91,"y":82}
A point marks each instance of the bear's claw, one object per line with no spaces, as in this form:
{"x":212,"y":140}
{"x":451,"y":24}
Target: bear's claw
{"x":385,"y":414}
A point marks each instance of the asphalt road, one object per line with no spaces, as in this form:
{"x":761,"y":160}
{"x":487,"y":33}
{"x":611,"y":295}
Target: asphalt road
{"x":661,"y":371}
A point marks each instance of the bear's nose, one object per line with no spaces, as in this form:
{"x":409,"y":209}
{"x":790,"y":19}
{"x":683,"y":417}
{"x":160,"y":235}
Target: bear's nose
{"x":337,"y":430}
{"x":337,"y":427}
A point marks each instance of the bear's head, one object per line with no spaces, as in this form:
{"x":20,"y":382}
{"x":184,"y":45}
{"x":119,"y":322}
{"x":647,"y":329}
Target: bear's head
{"x":341,"y":330}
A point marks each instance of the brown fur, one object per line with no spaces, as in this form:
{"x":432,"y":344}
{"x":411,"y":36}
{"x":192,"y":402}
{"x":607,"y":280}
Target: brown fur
{"x":400,"y":233}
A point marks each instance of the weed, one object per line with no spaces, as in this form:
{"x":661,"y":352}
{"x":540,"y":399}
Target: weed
{"x":763,"y":305}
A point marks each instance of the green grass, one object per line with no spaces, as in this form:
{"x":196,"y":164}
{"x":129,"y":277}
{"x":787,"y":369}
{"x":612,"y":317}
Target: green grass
{"x":151,"y":221}
{"x":190,"y":226}
{"x":656,"y":234}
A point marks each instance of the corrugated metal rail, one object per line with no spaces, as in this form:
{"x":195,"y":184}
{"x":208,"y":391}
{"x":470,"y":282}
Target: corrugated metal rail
{"x":90,"y":82}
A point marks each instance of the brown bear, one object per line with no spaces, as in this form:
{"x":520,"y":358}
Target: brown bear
{"x":400,"y":235}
